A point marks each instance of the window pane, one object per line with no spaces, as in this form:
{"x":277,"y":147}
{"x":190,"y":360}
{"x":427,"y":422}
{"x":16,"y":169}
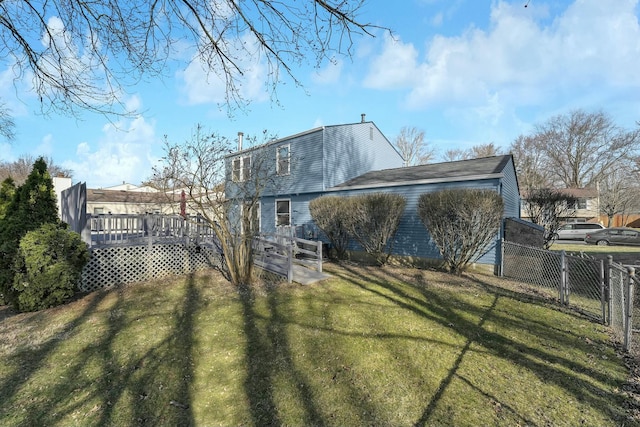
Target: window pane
{"x":236,"y":170}
{"x":283,"y":206}
{"x":283,"y":160}
{"x":282,"y":212}
{"x":582,"y":203}
{"x":246,"y":168}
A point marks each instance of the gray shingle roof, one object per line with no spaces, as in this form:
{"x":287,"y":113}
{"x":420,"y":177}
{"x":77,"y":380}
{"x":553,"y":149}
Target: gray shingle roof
{"x":461,"y":170}
{"x":120,"y":196}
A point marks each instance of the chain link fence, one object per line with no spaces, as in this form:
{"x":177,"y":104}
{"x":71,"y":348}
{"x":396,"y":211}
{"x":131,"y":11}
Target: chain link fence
{"x":601,"y":289}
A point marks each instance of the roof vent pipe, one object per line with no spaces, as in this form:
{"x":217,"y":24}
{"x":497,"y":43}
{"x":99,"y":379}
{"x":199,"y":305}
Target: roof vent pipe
{"x":363,"y":116}
{"x":240,"y":135}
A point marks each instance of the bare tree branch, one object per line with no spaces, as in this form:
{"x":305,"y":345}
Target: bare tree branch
{"x":83,"y":55}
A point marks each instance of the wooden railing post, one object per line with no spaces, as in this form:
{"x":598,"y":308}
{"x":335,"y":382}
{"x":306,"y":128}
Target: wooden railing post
{"x":289,"y":261}
{"x":319,"y":252}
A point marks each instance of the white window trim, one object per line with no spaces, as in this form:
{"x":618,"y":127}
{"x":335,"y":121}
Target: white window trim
{"x":278,"y":171}
{"x":276,"y":210}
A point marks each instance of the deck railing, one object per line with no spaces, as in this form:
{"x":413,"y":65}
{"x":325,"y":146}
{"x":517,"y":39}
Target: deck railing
{"x":136,"y":229}
{"x":279,"y":253}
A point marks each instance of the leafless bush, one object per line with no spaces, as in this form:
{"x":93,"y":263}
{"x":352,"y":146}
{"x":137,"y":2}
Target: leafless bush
{"x":329,"y":214}
{"x":372,"y":221}
{"x":462,"y":222}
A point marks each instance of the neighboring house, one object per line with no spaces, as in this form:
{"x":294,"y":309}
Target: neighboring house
{"x":106,"y":201}
{"x":586,"y":205}
{"x":357,"y":158}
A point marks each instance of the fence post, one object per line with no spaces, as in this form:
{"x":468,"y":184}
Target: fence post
{"x":628,"y":320}
{"x":563,"y":277}
{"x":609,"y":290}
{"x":603,"y":298}
{"x":501,"y":266}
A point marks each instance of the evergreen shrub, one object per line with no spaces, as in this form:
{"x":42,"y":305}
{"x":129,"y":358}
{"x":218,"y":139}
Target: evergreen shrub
{"x":48,"y":267}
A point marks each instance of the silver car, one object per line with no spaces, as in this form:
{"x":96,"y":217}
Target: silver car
{"x":614,"y":236}
{"x":576,"y":230}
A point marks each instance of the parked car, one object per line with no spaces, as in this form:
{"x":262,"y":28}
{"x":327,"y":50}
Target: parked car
{"x":576,"y":230}
{"x":614,"y":236}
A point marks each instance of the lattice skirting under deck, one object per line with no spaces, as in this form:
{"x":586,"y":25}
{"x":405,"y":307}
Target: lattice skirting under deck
{"x":116,"y":265}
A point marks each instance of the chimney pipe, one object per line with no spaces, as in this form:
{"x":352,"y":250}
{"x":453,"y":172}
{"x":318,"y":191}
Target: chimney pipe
{"x":240,"y":135}
{"x":363,"y":116}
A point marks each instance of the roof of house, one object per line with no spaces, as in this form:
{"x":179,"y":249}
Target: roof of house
{"x":121,"y":196}
{"x":462,"y":170}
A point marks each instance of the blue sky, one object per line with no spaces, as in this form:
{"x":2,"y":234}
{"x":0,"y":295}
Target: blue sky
{"x":466,"y":72}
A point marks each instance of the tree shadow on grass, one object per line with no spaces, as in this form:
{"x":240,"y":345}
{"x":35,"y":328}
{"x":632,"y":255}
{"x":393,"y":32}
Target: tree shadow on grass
{"x":29,"y":361}
{"x":549,"y":367}
{"x":269,"y":362}
{"x":145,"y":385}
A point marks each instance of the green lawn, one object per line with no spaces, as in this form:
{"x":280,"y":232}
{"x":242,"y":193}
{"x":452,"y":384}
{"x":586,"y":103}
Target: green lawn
{"x":390,"y":347}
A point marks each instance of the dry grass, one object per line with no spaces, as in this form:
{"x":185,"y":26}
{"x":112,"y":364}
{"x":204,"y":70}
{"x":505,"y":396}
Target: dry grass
{"x":371,"y":346}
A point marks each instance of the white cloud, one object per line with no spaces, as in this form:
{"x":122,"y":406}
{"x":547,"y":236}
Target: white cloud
{"x":6,"y":152}
{"x":520,"y":60}
{"x":45,"y":148}
{"x":123,"y":153}
{"x":329,"y":74}
{"x":396,"y":67}
{"x":204,"y":83}
{"x":14,"y":93}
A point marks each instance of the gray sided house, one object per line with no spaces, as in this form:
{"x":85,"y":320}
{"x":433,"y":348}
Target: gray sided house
{"x":350,"y":159}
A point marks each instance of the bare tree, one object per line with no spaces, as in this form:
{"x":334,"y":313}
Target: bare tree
{"x":7,"y":124}
{"x":485,"y":150}
{"x":82,"y":54}
{"x":530,"y":163}
{"x":475,"y":152}
{"x":229,"y":204}
{"x":581,"y":148}
{"x":20,"y":169}
{"x":618,"y":193}
{"x":455,"y":154}
{"x":549,"y":208}
{"x":413,"y":147}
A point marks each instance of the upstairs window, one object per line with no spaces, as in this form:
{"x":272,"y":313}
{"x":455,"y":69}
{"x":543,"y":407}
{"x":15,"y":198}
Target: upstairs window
{"x":283,"y":158}
{"x":241,"y":169}
{"x":580,"y":203}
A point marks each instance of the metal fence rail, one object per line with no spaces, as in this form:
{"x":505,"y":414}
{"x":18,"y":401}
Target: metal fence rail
{"x":602,"y":290}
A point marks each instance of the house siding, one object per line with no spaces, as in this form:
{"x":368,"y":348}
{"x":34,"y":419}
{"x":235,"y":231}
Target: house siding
{"x":412,"y":237}
{"x":324,"y":158}
{"x":306,"y":165}
{"x":510,"y":192}
{"x":352,"y":150}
